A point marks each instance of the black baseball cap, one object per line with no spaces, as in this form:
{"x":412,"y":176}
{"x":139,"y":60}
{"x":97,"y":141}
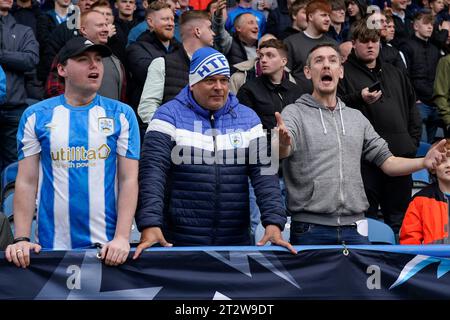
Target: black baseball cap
{"x":76,"y":46}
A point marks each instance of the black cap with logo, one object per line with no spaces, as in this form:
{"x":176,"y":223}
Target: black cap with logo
{"x":76,"y":46}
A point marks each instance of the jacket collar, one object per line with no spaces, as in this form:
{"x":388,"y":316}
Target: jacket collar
{"x":186,"y":98}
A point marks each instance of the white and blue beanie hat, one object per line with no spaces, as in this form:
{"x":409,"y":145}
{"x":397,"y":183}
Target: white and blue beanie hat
{"x":207,"y":62}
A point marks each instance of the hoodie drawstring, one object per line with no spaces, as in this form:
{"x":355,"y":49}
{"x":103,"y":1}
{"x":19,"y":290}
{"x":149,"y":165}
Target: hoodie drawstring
{"x":323,"y":123}
{"x":340,"y":114}
{"x":342,"y":120}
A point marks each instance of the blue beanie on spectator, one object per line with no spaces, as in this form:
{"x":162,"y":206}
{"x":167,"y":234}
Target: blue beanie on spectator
{"x":207,"y":62}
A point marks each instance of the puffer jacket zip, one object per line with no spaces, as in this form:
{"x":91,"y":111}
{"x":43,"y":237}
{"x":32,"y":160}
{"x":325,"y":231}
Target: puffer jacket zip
{"x":216,"y":170}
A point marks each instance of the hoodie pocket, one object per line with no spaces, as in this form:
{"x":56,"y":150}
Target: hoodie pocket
{"x":325,"y":196}
{"x":355,"y":196}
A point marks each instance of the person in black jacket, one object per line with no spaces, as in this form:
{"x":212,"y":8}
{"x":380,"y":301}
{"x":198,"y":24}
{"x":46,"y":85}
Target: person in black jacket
{"x":403,"y":23}
{"x":297,"y":12}
{"x":59,"y":37}
{"x":167,"y":75}
{"x":279,"y":18}
{"x":125,"y":19}
{"x":19,"y":54}
{"x":422,"y":58}
{"x":117,"y":40}
{"x":273,"y":90}
{"x":391,"y":109}
{"x":388,"y":53}
{"x":46,"y":24}
{"x":28,"y":13}
{"x":242,"y":45}
{"x":267,"y":94}
{"x":150,"y":45}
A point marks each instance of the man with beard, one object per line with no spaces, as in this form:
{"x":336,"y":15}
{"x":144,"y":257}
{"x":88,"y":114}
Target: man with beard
{"x":318,"y":17}
{"x":150,"y":45}
{"x":167,"y":75}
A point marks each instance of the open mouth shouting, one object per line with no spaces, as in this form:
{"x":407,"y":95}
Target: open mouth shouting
{"x":326,"y":79}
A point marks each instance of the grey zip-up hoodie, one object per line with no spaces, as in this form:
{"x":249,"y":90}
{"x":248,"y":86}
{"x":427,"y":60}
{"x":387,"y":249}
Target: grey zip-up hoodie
{"x":323,"y":173}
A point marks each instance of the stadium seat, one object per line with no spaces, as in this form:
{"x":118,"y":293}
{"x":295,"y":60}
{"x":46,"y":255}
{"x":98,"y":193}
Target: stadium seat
{"x":7,"y":183}
{"x":423,"y":149}
{"x":421,"y":178}
{"x":380,"y":233}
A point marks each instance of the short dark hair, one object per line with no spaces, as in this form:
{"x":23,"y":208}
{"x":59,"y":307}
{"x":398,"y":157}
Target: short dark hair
{"x":297,"y":6}
{"x":100,"y":3}
{"x":337,"y":4}
{"x":277,"y":44}
{"x":322,"y":45}
{"x":191,"y":15}
{"x":388,"y":15}
{"x":361,"y":32}
{"x":426,"y":17}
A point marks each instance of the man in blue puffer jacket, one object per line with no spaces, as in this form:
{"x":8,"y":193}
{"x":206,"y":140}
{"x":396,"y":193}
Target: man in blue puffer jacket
{"x":198,"y":153}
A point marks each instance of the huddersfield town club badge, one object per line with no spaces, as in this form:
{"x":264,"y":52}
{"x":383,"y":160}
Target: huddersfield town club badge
{"x":236,"y":139}
{"x":106,"y":125}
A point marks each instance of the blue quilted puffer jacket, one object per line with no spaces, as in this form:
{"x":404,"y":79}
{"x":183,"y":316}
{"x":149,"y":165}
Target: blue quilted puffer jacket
{"x":188,"y":188}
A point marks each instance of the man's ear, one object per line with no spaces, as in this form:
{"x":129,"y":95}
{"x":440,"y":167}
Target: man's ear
{"x":307,"y":72}
{"x":149,"y":21}
{"x":197,"y":32}
{"x":61,"y":70}
{"x":83,"y":31}
{"x":341,"y":72}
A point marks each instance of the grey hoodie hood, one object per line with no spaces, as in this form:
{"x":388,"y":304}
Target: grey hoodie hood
{"x":309,"y":101}
{"x":323,"y":173}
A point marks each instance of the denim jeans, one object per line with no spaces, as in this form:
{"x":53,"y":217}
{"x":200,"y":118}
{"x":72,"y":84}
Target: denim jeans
{"x":316,"y":234}
{"x":430,"y":117}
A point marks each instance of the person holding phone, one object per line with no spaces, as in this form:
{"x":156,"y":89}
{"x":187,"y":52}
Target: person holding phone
{"x":384,"y":94}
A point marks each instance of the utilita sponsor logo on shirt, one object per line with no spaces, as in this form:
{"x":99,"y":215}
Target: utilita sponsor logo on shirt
{"x":79,"y":157}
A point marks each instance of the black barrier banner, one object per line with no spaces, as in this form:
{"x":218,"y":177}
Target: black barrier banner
{"x":334,"y":273}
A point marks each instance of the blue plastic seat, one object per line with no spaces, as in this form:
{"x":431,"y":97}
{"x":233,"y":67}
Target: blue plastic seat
{"x":9,"y":175}
{"x":421,"y":178}
{"x":423,"y":149}
{"x":380,"y":233}
{"x":7,"y":183}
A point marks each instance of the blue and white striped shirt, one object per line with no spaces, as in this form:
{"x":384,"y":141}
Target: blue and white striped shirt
{"x":78,"y":147}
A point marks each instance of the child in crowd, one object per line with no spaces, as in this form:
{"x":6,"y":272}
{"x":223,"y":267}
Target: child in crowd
{"x":426,"y":219}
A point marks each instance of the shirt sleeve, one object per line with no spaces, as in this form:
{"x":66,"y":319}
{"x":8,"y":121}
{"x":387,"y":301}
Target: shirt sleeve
{"x":128,"y":143}
{"x":152,"y":94}
{"x":28,"y":143}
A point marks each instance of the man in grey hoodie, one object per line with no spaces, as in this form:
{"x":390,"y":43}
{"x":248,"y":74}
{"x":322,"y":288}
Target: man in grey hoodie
{"x":323,"y":142}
